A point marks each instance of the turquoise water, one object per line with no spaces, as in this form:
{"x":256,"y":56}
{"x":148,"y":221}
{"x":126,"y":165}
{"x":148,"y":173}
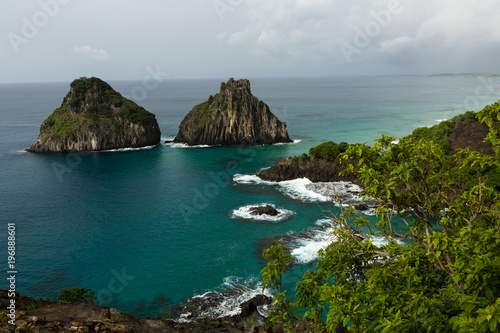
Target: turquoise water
{"x":152,"y":227}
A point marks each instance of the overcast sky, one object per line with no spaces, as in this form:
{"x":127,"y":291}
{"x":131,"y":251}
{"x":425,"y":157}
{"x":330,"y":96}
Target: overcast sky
{"x":60,"y":40}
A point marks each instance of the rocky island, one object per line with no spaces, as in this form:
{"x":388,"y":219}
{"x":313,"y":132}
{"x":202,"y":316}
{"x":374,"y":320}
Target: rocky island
{"x":233,"y":117}
{"x":94,"y":117}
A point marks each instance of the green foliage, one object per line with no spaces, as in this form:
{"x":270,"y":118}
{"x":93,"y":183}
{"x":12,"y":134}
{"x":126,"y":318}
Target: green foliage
{"x":329,"y":150}
{"x":278,"y":261}
{"x":224,"y":107}
{"x":202,"y":113}
{"x":165,"y":314}
{"x":75,"y":294}
{"x":440,"y":133}
{"x":443,"y":273}
{"x":303,"y":157}
{"x":32,"y":306}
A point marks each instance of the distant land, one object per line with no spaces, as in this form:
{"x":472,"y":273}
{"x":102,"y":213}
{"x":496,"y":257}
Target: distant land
{"x":466,"y":74}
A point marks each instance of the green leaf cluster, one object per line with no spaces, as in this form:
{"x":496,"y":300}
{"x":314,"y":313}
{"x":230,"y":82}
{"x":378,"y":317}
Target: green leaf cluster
{"x":329,"y":150}
{"x":75,"y":294}
{"x":439,"y":270}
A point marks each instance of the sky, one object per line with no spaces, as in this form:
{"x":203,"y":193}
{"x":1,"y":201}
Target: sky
{"x":60,"y":40}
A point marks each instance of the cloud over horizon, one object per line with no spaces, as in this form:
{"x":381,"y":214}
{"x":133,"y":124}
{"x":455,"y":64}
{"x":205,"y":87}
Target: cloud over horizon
{"x":222,"y":38}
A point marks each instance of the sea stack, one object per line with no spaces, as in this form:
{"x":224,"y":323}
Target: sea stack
{"x":94,"y":117}
{"x":233,"y":117}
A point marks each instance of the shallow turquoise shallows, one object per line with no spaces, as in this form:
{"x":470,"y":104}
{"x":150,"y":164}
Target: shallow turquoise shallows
{"x":149,"y":228}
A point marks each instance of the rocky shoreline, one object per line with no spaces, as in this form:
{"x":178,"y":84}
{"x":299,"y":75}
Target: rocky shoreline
{"x":314,"y":168}
{"x":43,"y":315}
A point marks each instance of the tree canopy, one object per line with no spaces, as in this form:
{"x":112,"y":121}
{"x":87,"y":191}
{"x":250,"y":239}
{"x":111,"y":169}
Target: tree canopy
{"x":439,"y":270}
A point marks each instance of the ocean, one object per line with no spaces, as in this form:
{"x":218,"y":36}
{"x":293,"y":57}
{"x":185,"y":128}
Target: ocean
{"x":147,"y":229}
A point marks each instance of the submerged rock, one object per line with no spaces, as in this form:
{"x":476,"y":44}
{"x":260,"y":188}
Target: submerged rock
{"x":233,"y":117}
{"x":93,"y":117}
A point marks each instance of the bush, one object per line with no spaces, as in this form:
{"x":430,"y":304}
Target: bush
{"x":328,"y":150}
{"x":75,"y":294}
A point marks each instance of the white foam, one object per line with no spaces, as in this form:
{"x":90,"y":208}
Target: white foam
{"x":307,"y":250}
{"x":288,"y":143}
{"x":248,"y":179}
{"x":301,"y":189}
{"x":125,"y":149}
{"x":244,"y":212}
{"x":186,"y":146}
{"x":245,"y":290}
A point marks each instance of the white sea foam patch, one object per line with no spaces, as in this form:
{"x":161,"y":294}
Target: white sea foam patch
{"x":250,"y":179}
{"x":186,"y":146}
{"x":225,"y":300}
{"x":302,"y":189}
{"x":128,"y":149}
{"x":306,"y":250}
{"x":288,"y":143}
{"x":307,"y":191}
{"x":245,"y":213}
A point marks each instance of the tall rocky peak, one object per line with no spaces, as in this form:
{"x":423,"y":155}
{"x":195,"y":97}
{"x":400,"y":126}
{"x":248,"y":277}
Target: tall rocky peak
{"x":93,"y":117}
{"x":233,"y":117}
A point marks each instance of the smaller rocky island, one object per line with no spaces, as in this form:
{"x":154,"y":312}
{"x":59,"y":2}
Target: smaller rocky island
{"x":264,"y":210}
{"x":233,"y":117}
{"x":321,"y":165}
{"x":94,"y":117}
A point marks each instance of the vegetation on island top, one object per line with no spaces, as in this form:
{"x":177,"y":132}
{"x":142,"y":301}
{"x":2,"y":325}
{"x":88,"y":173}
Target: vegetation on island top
{"x":444,"y":276}
{"x":98,"y":100}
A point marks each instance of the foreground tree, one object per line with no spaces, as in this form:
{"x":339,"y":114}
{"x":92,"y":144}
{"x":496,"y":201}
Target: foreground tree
{"x":440,"y":268}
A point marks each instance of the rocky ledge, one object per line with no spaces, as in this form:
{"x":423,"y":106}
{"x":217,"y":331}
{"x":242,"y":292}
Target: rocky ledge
{"x":316,"y":169}
{"x":233,"y":117}
{"x":84,"y":316}
{"x":94,"y":117}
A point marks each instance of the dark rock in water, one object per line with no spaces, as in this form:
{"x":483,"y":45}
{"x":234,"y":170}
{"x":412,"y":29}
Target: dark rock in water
{"x":94,"y":117}
{"x":361,"y":207}
{"x":267,"y":210}
{"x":233,"y":117}
{"x":251,"y":307}
{"x":218,"y":304}
{"x":314,"y":168}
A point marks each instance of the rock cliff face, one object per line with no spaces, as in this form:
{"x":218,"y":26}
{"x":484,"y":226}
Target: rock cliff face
{"x":93,"y":117}
{"x":233,"y":117}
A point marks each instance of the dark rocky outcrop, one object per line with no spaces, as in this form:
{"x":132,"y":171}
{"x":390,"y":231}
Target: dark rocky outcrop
{"x":233,"y":117}
{"x":94,"y":117}
{"x":267,"y":210}
{"x":471,"y":135}
{"x":314,"y":168}
{"x":44,"y":316}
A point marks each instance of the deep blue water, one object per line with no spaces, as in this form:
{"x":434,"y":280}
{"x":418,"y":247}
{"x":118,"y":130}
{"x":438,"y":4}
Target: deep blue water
{"x":147,"y":227}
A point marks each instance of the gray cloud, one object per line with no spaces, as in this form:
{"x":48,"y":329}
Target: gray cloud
{"x":245,"y":38}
